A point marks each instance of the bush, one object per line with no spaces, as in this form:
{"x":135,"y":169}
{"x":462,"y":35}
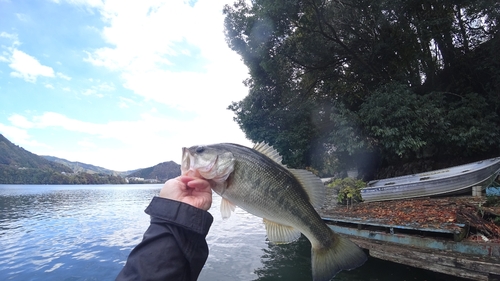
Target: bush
{"x":349,"y":190}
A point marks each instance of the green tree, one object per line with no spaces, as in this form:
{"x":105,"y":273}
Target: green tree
{"x":333,"y":80}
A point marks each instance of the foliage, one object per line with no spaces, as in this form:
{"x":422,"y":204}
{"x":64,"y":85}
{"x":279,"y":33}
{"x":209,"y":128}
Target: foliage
{"x":79,"y":167}
{"x":398,"y":118}
{"x":405,"y":124}
{"x":15,"y":156}
{"x":18,"y":166}
{"x":332,"y":81}
{"x":14,"y":175}
{"x":492,"y":201}
{"x":349,"y":190}
{"x":160,"y":172}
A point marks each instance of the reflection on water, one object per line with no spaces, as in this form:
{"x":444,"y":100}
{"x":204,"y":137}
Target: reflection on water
{"x":57,"y":232}
{"x":69,"y":232}
{"x":235,"y":246}
{"x":239,"y":251}
{"x":292,"y":262}
{"x":286,"y":262}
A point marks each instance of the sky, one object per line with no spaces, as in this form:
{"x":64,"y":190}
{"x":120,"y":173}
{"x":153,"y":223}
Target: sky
{"x":117,"y":84}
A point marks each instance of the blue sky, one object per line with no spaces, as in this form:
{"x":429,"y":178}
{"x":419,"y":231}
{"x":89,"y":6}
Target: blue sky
{"x":117,"y":84}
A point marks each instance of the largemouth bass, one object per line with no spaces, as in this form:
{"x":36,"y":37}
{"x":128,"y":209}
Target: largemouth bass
{"x":256,"y":181}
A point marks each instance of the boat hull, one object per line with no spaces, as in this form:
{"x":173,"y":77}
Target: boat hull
{"x":453,"y":180}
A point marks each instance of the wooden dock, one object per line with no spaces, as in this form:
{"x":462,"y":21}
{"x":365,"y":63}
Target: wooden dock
{"x":449,"y":245}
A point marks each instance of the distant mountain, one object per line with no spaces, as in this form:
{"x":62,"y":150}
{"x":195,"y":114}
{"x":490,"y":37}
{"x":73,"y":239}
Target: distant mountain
{"x":161,"y":172}
{"x":87,"y":168}
{"x":17,"y":157}
{"x":19,"y":166}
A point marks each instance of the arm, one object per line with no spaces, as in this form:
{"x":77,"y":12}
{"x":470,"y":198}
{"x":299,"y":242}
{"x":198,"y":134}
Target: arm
{"x":174,"y":246}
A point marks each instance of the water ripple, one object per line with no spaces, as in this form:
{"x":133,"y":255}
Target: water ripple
{"x":52,"y":232}
{"x":86,"y":233}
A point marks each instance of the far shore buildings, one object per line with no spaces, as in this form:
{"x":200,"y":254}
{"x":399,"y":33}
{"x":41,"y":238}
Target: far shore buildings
{"x":140,"y":180}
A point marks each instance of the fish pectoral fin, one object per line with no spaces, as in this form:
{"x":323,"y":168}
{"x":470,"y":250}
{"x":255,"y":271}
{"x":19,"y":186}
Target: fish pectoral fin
{"x":226,"y":208}
{"x":279,"y":233}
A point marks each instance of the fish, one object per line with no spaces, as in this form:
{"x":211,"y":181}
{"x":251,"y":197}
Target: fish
{"x":255,"y":180}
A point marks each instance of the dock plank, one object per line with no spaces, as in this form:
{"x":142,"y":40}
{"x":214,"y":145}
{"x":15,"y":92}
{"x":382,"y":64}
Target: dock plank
{"x":430,"y":266}
{"x":448,"y":262}
{"x":445,"y":215}
{"x":447,"y":235}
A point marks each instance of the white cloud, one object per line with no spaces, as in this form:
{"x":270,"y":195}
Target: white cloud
{"x":106,"y":86}
{"x":22,"y":17}
{"x":165,"y":52}
{"x":19,"y":136}
{"x":28,"y":67}
{"x":85,"y":3}
{"x":147,"y":37}
{"x":24,"y":65}
{"x":125,"y":102}
{"x":119,"y":130}
{"x":53,"y":119}
{"x":148,"y":44}
{"x":20,"y":121}
{"x":97,"y":90}
{"x":65,"y":77}
{"x":12,"y":36}
{"x":49,"y":86}
{"x":86,"y":143}
{"x":88,"y":92}
{"x":142,"y":138}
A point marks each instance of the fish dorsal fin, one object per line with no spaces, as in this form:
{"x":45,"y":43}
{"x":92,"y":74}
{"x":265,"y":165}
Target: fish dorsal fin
{"x":279,"y":233}
{"x":226,"y":208}
{"x":269,"y":151}
{"x":313,"y":186}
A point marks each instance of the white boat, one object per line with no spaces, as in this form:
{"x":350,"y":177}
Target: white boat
{"x":454,"y":180}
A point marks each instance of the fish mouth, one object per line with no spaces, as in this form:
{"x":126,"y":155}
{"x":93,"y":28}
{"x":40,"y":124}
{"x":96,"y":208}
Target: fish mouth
{"x":186,"y":160}
{"x":189,"y":164}
{"x":215,"y":167}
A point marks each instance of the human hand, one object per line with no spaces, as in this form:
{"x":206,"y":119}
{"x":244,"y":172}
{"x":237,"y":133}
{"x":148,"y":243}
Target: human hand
{"x":190,"y":190}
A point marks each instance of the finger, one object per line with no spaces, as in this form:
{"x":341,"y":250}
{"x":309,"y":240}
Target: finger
{"x":199,"y":184}
{"x":185,"y":179}
{"x":179,"y":182}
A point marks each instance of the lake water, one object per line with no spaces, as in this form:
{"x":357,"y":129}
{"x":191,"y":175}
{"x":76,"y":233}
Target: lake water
{"x":85,"y":232}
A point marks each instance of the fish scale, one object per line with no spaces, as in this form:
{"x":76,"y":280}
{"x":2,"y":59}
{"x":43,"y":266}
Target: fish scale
{"x":256,"y":181}
{"x":277,"y":190}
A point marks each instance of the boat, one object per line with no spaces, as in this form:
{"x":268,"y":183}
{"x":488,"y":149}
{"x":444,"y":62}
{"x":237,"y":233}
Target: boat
{"x":451,"y":181}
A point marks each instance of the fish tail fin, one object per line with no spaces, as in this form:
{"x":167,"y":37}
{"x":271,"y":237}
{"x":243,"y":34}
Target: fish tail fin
{"x":341,"y":254}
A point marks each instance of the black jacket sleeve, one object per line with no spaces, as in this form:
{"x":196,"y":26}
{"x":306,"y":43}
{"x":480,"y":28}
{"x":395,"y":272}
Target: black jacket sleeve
{"x":174,"y":245}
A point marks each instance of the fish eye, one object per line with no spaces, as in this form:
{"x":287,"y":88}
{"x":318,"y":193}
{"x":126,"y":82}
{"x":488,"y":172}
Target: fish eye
{"x":200,"y":149}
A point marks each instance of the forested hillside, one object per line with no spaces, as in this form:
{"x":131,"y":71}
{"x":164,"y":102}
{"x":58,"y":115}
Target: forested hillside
{"x":388,"y":87}
{"x":19,"y":166}
{"x":16,"y":157}
{"x":160,"y":172}
{"x":76,"y":167}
